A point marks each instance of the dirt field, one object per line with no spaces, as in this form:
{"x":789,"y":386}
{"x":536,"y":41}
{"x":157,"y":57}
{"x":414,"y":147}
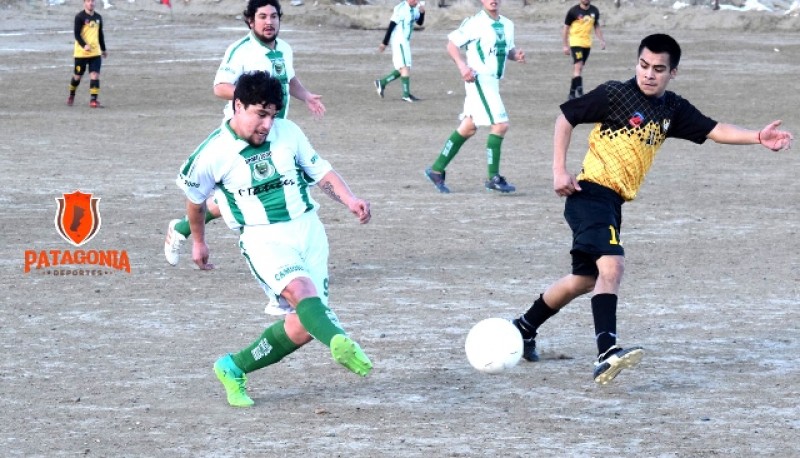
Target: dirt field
{"x":120,"y":365}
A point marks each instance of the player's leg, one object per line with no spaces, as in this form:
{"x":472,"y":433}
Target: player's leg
{"x":381,"y":83}
{"x":436,"y":172}
{"x":492,"y":112}
{"x":275,"y":343}
{"x":79,"y":68}
{"x":577,"y":68}
{"x":94,"y":81}
{"x":405,"y":72}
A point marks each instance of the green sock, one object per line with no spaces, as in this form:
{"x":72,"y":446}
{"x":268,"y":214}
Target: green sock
{"x":270,"y":348}
{"x":451,"y":147}
{"x":182,"y":227}
{"x":390,"y":77}
{"x":406,"y":85}
{"x":319,"y":320}
{"x":493,"y":143}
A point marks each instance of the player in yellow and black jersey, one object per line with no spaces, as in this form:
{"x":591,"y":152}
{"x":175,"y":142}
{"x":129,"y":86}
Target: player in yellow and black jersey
{"x":632,"y":120}
{"x":582,"y":19}
{"x":89,"y":50}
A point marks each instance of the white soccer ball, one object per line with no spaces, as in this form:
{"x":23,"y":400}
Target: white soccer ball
{"x":493,"y":345}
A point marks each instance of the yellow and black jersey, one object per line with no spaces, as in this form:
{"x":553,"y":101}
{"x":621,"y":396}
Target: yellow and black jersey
{"x":581,"y":23}
{"x":89,"y":30}
{"x":630,"y":130}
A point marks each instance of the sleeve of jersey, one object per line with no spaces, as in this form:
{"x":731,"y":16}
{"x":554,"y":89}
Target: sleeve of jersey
{"x":690,"y":124}
{"x":229,"y":69}
{"x":460,"y":36}
{"x":569,"y":19}
{"x":592,"y":107}
{"x":195,"y":178}
{"x":313,"y":165}
{"x":78,"y":29}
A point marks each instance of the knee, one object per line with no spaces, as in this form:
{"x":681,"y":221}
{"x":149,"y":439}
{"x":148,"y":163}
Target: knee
{"x":295,"y":330}
{"x":500,"y":129}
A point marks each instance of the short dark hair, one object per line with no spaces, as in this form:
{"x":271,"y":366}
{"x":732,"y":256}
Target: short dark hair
{"x":253,"y":5}
{"x":259,"y":88}
{"x":660,"y":43}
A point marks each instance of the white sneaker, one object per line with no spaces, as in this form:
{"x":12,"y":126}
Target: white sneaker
{"x":172,"y":244}
{"x":277,"y":306}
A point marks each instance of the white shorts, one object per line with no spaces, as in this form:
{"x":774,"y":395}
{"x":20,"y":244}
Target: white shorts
{"x":279,"y":253}
{"x":483,"y":103}
{"x":401,"y":55}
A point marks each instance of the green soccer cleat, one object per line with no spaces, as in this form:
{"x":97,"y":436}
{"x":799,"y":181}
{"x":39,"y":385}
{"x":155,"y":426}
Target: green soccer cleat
{"x":234,"y":381}
{"x":349,"y":354}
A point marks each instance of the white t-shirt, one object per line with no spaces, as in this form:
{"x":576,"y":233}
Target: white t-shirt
{"x":249,"y":54}
{"x":487,"y":42}
{"x":261,"y":185}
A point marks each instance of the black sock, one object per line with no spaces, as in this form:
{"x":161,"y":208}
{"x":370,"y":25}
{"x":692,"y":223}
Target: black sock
{"x":604,"y":311}
{"x":578,"y":81}
{"x":534,"y":317}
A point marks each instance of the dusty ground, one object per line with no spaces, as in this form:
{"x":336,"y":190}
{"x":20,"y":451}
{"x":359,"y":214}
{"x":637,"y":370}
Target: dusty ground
{"x":120,"y":365}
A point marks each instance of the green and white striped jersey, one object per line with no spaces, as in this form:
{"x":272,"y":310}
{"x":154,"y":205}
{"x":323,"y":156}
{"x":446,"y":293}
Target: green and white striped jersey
{"x":487,"y":42}
{"x":249,"y":54}
{"x":260,"y":185}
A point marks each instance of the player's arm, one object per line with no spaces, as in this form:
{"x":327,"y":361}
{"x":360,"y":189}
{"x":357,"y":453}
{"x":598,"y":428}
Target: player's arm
{"x":467,"y":74}
{"x":564,"y":183}
{"x":599,"y":33}
{"x":387,"y":36}
{"x":770,"y":136}
{"x":77,"y":31}
{"x":335,"y":187}
{"x":224,"y":90}
{"x":313,"y":101}
{"x":102,"y":40}
{"x":196,"y":214}
{"x":565,"y":39}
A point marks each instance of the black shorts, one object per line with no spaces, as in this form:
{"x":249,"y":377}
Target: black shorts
{"x":92,"y":63}
{"x":595,"y":217}
{"x":579,"y":54}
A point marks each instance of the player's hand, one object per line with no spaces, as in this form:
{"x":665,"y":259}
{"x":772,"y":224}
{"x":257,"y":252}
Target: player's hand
{"x":567,"y":51}
{"x":775,"y":139}
{"x":381,"y":47}
{"x":603,"y":44}
{"x":87,"y":47}
{"x":519,"y":56}
{"x":315,"y":105}
{"x":360,"y":208}
{"x":200,"y":255}
{"x":467,"y":73}
{"x":564,"y":184}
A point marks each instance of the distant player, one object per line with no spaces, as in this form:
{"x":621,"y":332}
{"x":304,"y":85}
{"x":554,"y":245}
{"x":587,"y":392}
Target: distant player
{"x":632,"y":119}
{"x":577,"y":37}
{"x":264,"y":166}
{"x":89,"y":51}
{"x":488,"y":38}
{"x":401,"y":25}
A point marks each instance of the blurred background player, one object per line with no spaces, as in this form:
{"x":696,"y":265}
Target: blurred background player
{"x":401,"y":25}
{"x":264,"y":166}
{"x":577,"y":37}
{"x":89,"y":51}
{"x":489,"y":41}
{"x":260,"y":49}
{"x":632,"y":120}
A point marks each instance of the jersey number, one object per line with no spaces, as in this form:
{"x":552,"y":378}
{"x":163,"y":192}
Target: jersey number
{"x":614,"y":240}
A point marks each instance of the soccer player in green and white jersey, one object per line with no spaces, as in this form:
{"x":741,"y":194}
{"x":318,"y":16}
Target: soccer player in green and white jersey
{"x":489,"y":41}
{"x":401,"y":25}
{"x":263,"y":166}
{"x":260,"y":49}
